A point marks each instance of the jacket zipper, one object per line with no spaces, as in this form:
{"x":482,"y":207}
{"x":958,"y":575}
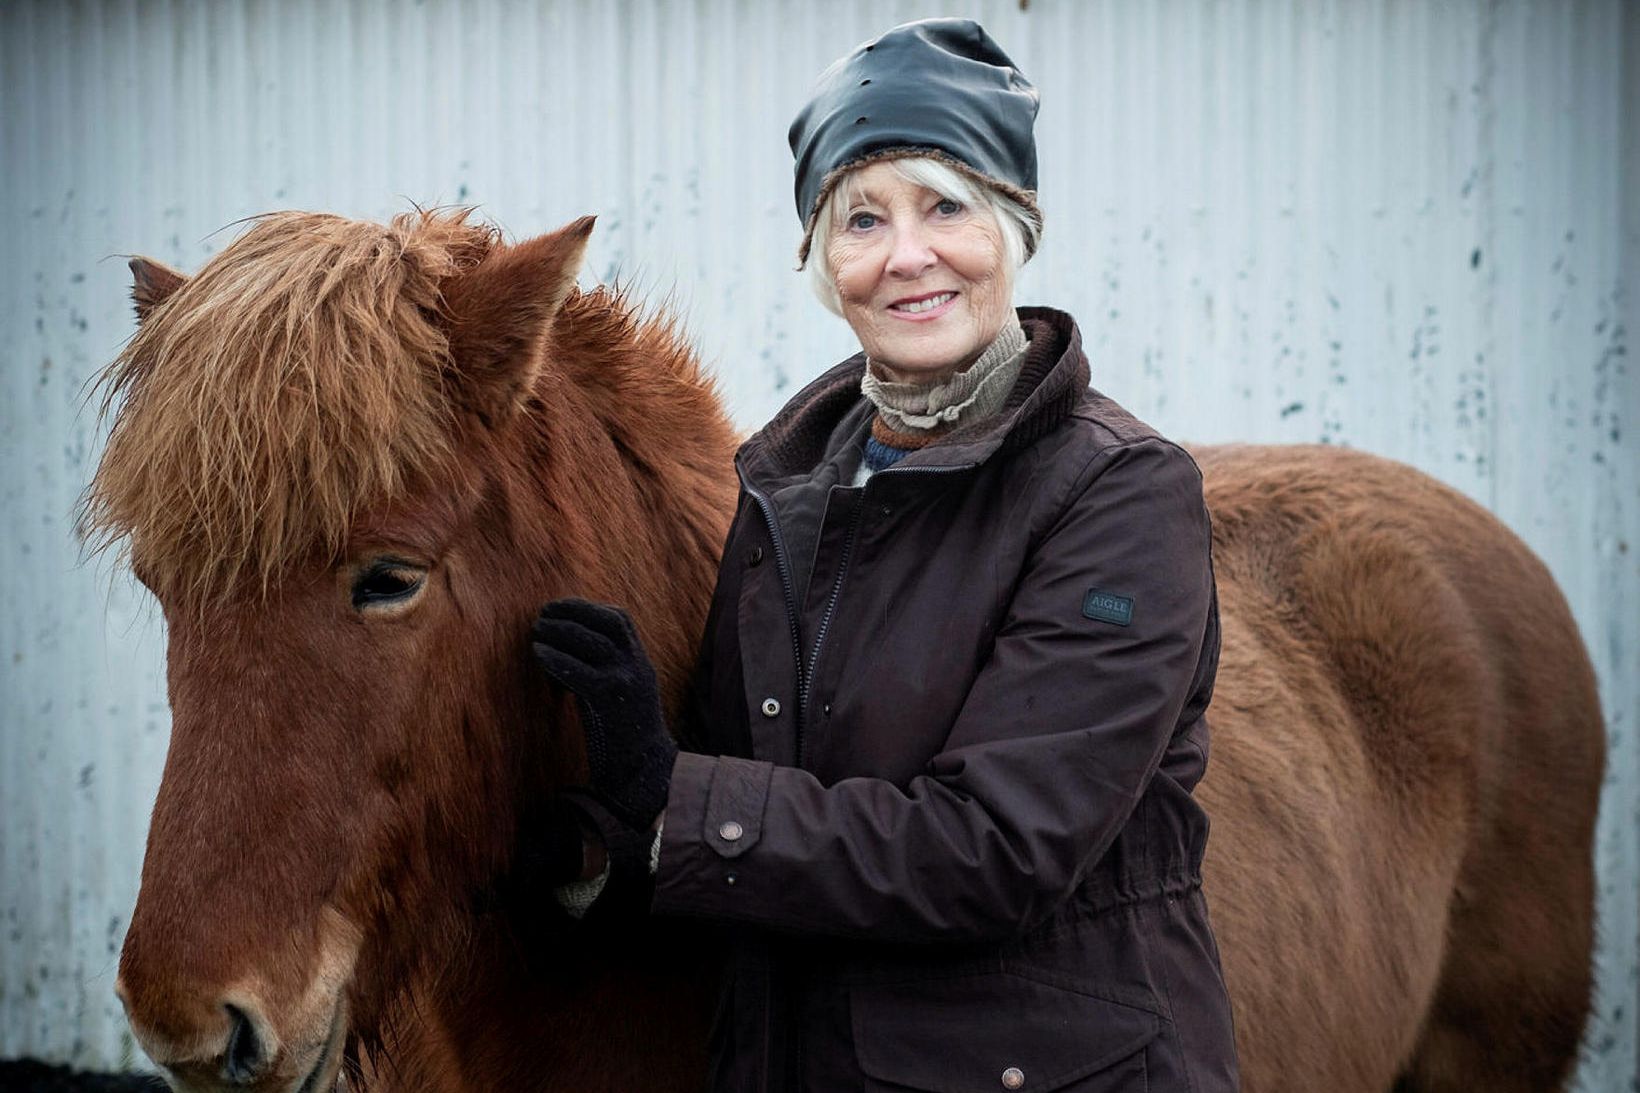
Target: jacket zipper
{"x":806,"y":674}
{"x":807,"y":677}
{"x":825,"y":624}
{"x":783,"y":564}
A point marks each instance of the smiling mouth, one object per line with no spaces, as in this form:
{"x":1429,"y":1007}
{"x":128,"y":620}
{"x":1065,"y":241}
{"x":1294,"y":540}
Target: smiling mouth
{"x":922,"y":304}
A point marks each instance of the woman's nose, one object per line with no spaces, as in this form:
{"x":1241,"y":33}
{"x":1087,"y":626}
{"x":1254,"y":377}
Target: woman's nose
{"x":911,"y":255}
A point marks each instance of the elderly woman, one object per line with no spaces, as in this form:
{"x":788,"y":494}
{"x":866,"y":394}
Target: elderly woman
{"x":949,"y":708}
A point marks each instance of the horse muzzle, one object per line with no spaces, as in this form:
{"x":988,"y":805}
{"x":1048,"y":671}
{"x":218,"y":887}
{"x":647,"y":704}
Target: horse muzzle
{"x":240,"y":1051}
{"x":262,"y":1028}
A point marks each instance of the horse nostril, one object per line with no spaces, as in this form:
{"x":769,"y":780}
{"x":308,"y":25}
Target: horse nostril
{"x":242,"y":1059}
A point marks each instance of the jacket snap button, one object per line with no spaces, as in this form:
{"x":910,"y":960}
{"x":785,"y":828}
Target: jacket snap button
{"x":730,"y":831}
{"x":771,"y":707}
{"x":1013,"y":1078}
{"x":730,"y":879}
{"x":755,"y":556}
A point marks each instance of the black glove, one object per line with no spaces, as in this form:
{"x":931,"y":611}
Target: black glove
{"x":551,"y":851}
{"x":593,"y":651}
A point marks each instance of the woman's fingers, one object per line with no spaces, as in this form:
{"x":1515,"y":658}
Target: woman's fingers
{"x":602,"y":618}
{"x":566,"y":669}
{"x":573,"y":639}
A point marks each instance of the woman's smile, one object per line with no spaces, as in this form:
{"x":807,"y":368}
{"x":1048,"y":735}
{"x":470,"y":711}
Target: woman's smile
{"x":922,"y":309}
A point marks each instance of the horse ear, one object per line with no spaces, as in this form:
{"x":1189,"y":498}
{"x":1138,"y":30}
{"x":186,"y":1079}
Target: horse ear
{"x":499,"y":313}
{"x":152,"y":284}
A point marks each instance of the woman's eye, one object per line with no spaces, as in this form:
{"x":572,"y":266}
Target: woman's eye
{"x":947,"y":207}
{"x":862,"y":221}
{"x":384,"y":584}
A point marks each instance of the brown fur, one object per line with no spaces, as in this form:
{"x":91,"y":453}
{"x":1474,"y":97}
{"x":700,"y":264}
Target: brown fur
{"x":1407,"y":744}
{"x":377,"y":766}
{"x":1407,"y":756}
{"x":294,"y":382}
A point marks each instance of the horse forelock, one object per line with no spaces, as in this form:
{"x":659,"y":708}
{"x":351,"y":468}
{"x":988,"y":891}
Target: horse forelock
{"x":295,"y":381}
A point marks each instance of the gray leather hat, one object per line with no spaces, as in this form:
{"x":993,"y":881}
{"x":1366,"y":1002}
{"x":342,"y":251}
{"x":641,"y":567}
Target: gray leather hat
{"x":938,"y":86}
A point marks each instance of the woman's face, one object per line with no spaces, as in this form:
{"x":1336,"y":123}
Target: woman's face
{"x":922,"y":279}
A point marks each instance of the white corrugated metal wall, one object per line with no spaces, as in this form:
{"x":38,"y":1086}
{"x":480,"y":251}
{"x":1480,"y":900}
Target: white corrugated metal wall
{"x":1409,"y":227}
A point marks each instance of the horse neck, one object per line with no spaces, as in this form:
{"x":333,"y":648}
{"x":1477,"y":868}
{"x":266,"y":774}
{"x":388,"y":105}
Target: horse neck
{"x":627,"y":1010}
{"x":620,"y":482}
{"x":638,"y":458}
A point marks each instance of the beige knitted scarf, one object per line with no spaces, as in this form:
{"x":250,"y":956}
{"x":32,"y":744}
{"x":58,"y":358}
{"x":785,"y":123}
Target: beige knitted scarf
{"x":909,"y":415}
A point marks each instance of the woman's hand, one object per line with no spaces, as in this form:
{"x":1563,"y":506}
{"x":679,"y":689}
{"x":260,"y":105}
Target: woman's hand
{"x":554,"y":845}
{"x":593,"y":651}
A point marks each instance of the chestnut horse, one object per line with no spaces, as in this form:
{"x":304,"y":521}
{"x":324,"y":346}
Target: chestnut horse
{"x":351,"y":459}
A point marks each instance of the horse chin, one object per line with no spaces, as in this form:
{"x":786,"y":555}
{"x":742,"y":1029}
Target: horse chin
{"x":313,"y":1069}
{"x":321,"y":1077}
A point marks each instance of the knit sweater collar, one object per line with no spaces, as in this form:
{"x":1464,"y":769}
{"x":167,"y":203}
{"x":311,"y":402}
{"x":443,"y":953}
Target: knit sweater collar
{"x":831,"y":411}
{"x":976,"y":392}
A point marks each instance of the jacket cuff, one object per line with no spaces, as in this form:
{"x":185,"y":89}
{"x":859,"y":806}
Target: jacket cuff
{"x":628,"y":879}
{"x":577,"y":895}
{"x":714,"y":816}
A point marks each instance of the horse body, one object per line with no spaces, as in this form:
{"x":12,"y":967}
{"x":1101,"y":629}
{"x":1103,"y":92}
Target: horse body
{"x":380,"y":448}
{"x":1407,"y":759}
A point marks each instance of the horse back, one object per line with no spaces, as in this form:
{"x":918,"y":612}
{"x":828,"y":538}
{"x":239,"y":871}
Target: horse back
{"x":1408,"y":751}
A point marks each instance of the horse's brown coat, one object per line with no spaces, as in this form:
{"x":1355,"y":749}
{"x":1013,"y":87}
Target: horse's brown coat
{"x":1407,"y":748}
{"x":1407,"y":760}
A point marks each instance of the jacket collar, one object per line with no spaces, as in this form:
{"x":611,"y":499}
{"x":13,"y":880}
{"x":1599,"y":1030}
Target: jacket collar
{"x":830,"y":411}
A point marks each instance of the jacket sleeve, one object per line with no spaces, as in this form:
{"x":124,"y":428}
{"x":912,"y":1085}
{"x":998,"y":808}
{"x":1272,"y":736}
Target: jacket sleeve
{"x":1055,"y":743}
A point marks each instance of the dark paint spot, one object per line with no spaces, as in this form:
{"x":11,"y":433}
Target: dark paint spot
{"x":1291,"y":408}
{"x":1475,"y":258}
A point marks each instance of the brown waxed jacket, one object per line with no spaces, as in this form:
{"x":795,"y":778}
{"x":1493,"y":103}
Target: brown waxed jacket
{"x":945,"y":729}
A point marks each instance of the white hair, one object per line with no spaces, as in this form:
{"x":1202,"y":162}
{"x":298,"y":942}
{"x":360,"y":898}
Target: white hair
{"x":1020,"y":230}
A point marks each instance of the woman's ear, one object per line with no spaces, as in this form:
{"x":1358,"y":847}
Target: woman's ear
{"x":152,"y":283}
{"x":499,"y":314}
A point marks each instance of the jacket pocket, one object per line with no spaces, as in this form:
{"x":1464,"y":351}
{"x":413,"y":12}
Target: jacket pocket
{"x":997,"y":1032}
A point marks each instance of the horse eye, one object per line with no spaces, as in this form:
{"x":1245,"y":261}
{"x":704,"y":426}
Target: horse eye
{"x":386,"y":583}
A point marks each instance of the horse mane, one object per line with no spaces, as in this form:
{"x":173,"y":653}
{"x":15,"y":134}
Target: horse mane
{"x":304,"y":377}
{"x":294,"y":381}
